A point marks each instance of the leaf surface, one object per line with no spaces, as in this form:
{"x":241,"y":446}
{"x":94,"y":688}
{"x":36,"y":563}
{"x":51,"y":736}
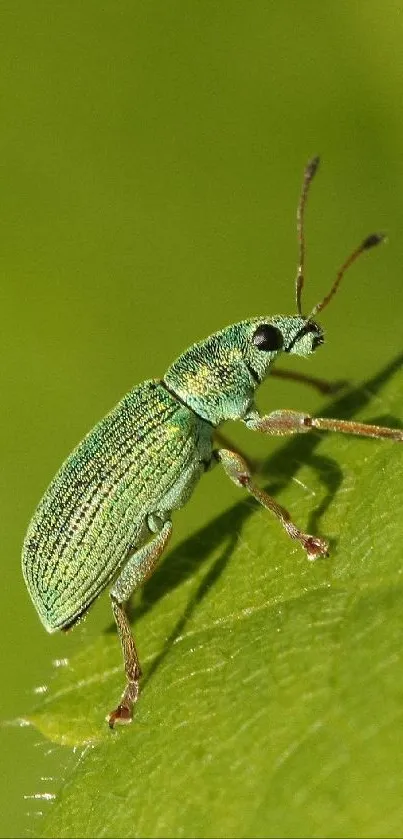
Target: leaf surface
{"x":272,"y":698}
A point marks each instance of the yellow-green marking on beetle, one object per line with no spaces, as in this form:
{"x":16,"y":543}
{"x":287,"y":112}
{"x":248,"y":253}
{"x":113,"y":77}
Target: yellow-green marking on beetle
{"x":106,"y":516}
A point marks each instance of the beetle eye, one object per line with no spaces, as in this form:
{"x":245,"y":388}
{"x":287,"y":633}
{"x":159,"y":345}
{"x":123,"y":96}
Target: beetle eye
{"x":267,"y":337}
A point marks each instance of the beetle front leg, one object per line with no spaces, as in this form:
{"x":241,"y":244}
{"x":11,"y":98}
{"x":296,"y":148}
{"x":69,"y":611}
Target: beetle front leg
{"x":321,"y":385}
{"x":296,"y":422}
{"x":237,"y":469}
{"x":137,"y":569}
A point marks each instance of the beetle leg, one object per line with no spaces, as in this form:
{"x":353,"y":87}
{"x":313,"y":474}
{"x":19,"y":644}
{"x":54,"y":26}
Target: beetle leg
{"x":138,"y":567}
{"x":237,"y":469}
{"x":321,"y":385}
{"x":296,"y":422}
{"x":224,"y":442}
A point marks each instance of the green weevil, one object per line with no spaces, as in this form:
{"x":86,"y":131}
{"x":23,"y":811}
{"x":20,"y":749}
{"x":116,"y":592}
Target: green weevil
{"x":106,"y":516}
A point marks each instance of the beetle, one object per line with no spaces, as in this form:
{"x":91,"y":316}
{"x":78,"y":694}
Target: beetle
{"x":106,"y":516}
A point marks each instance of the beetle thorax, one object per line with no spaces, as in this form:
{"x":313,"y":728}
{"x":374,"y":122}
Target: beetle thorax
{"x":212,"y":379}
{"x":217,"y":377}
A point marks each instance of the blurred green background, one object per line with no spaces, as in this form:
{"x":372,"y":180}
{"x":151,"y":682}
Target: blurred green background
{"x":151,"y":160}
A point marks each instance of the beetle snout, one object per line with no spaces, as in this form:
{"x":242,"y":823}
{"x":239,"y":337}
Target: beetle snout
{"x":306,"y":340}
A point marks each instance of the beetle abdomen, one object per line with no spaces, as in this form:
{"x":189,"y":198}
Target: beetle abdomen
{"x":95,"y":509}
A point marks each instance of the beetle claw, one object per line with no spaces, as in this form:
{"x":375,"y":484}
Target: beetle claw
{"x":315,"y":547}
{"x":122,"y":715}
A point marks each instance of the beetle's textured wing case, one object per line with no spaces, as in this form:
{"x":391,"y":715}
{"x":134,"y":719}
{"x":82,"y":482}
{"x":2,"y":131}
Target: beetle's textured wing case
{"x":95,"y":509}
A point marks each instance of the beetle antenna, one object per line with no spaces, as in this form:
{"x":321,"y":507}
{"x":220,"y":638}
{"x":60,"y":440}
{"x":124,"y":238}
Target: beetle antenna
{"x":309,"y":173}
{"x":370,"y":242}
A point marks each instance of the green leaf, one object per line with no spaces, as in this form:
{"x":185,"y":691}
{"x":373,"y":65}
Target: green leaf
{"x":272,"y":698}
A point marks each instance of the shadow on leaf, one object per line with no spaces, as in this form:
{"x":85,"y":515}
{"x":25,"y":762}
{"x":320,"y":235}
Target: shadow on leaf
{"x":225,"y":529}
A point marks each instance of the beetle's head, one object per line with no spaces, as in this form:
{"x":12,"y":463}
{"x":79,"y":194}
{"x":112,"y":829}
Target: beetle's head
{"x":267,"y":337}
{"x":260,"y":341}
{"x":301,"y":334}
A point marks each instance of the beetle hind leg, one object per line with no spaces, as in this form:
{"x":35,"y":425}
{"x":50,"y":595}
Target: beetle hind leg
{"x":124,"y":711}
{"x":138,"y":567}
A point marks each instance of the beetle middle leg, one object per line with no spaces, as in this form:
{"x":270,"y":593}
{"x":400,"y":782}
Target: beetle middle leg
{"x":138,"y":567}
{"x":237,"y":469}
